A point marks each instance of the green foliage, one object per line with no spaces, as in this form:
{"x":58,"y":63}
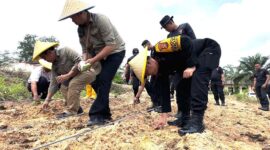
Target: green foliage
{"x":245,"y":98}
{"x":13,"y":89}
{"x":117,"y":78}
{"x":246,"y":68}
{"x":26,"y":47}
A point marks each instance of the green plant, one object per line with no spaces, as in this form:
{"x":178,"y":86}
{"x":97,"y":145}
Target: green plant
{"x":118,"y":79}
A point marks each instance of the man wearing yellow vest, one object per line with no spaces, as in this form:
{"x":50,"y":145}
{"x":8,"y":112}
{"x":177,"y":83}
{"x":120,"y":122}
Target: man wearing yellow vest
{"x":194,"y":59}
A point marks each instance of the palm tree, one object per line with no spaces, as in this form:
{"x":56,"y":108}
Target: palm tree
{"x":246,"y":68}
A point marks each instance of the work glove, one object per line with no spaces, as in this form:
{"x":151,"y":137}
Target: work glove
{"x":82,"y":66}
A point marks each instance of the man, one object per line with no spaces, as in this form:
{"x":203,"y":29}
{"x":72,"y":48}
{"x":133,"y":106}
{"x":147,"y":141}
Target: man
{"x":100,"y":41}
{"x":65,"y":73}
{"x":217,"y":85}
{"x":129,"y":73}
{"x":261,"y":79}
{"x":170,"y":26}
{"x":190,"y":59}
{"x":151,"y":85}
{"x":39,"y":81}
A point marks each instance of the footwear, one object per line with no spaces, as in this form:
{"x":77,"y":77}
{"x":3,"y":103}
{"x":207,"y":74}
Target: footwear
{"x":264,"y":108}
{"x":178,"y":115}
{"x":180,"y":122}
{"x":64,"y":115}
{"x":223,"y":104}
{"x":96,"y":121}
{"x":154,"y":108}
{"x":217,"y":104}
{"x":80,"y":111}
{"x":195,"y":125}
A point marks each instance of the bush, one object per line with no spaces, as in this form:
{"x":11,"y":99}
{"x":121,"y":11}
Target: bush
{"x":118,"y":79}
{"x":13,"y":89}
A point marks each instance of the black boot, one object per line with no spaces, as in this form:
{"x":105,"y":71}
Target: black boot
{"x":180,"y":122}
{"x":264,"y":108}
{"x":195,"y":125}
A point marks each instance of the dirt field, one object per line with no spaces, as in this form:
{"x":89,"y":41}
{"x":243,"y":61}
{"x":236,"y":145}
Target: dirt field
{"x":235,"y":126}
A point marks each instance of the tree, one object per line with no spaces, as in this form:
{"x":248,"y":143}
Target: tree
{"x":246,"y":68}
{"x":5,"y":58}
{"x":26,"y":47}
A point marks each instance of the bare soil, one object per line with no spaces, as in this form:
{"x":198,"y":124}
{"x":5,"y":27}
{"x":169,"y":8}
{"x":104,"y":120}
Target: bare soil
{"x":238,"y":125}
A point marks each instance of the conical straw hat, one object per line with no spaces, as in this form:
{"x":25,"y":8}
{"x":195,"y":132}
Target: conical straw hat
{"x":73,"y":7}
{"x":40,"y":47}
{"x":138,"y":64}
{"x":45,"y":63}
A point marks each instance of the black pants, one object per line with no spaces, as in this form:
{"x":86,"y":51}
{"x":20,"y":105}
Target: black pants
{"x":102,"y":85}
{"x":217,"y":89}
{"x":261,"y":94}
{"x":183,"y":97}
{"x":135,"y":85}
{"x":199,"y":90}
{"x":42,"y":87}
{"x":154,"y":91}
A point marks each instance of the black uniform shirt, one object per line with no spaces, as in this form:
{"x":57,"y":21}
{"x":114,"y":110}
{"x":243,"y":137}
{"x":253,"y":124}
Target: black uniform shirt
{"x":216,"y":75}
{"x":183,"y":29}
{"x":260,"y":76}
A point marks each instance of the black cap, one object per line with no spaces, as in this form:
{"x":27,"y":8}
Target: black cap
{"x":145,"y":42}
{"x":165,"y":20}
{"x":135,"y":51}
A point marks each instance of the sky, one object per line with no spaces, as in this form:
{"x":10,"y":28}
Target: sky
{"x":241,"y":27}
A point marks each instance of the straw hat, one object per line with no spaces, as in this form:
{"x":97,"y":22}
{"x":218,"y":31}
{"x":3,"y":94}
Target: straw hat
{"x":73,"y":7}
{"x":40,"y":47}
{"x":45,"y":63}
{"x":138,"y":64}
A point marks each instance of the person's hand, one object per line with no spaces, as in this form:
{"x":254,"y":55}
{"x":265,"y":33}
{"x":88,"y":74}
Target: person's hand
{"x":136,"y":100}
{"x":84,"y":65}
{"x":161,"y":121}
{"x":253,"y":89}
{"x":35,"y":98}
{"x":62,"y":78}
{"x":264,"y":86}
{"x":189,"y":72}
{"x":46,"y":104}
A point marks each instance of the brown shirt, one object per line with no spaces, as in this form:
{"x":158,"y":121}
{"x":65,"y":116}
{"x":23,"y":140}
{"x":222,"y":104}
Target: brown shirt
{"x":67,"y":59}
{"x":99,"y":33}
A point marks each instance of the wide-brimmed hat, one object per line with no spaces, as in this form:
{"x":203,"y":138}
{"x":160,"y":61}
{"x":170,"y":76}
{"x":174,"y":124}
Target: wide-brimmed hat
{"x":165,"y":20}
{"x":138,"y":64}
{"x":73,"y":7}
{"x":40,"y":47}
{"x":45,"y":63}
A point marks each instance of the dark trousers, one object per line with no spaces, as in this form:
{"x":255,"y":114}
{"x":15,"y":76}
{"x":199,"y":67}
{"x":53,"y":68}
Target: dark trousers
{"x":135,"y":85}
{"x":217,"y":89}
{"x":102,"y":85}
{"x":261,"y":94}
{"x":42,"y":87}
{"x":199,"y":90}
{"x":154,"y":91}
{"x":183,"y":97}
{"x":162,"y":89}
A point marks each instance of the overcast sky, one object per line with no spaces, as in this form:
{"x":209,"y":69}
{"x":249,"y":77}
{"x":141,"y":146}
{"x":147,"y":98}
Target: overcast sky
{"x":241,"y":27}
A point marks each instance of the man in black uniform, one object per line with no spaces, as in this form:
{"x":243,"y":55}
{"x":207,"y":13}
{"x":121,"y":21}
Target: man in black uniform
{"x":261,"y":79}
{"x":217,"y":85}
{"x":183,"y":29}
{"x":191,"y":59}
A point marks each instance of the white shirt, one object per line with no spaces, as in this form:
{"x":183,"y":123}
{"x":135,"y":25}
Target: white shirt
{"x":37,"y":73}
